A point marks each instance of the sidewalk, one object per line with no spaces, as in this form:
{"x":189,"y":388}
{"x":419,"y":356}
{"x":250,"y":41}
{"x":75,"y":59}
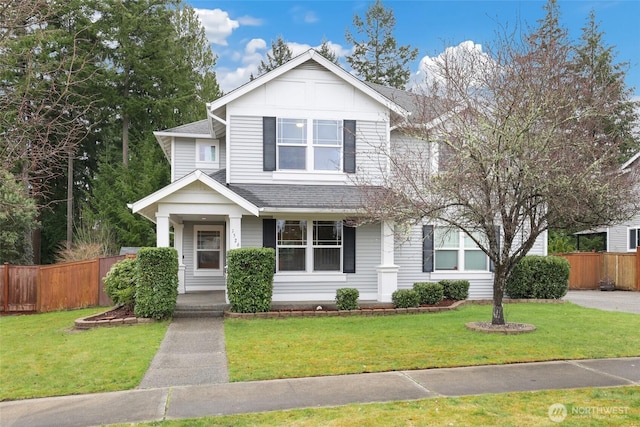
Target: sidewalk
{"x":157,"y":404}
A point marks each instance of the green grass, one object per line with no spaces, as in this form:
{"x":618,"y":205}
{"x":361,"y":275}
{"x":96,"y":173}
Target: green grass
{"x":511,"y":409}
{"x":40,"y":355}
{"x":297,"y":347}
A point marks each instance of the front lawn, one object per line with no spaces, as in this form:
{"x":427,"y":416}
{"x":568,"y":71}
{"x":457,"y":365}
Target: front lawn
{"x":40,"y":355}
{"x":260,"y":349}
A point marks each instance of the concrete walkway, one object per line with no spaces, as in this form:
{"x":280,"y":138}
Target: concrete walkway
{"x":624,"y":301}
{"x":164,"y":403}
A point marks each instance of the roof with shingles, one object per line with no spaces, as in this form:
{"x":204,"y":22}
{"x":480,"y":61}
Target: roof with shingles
{"x":296,"y":196}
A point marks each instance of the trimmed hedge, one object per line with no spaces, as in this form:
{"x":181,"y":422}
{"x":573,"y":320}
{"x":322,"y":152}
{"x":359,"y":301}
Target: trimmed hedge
{"x":250,"y":279}
{"x":429,"y":292}
{"x":405,"y":298}
{"x":539,"y":277}
{"x":157,"y":287}
{"x":347,"y":298}
{"x":120,"y":282}
{"x":455,"y":289}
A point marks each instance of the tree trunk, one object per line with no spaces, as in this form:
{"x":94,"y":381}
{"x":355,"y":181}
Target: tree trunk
{"x":69,"y":200}
{"x":125,"y":141}
{"x":498,"y":292}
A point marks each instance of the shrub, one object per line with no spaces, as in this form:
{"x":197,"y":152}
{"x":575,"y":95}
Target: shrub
{"x":120,"y":283}
{"x":157,"y":287}
{"x":428,"y":292}
{"x":347,"y":298}
{"x":455,"y":289}
{"x":250,"y":279}
{"x":404,"y":298}
{"x":539,"y":277}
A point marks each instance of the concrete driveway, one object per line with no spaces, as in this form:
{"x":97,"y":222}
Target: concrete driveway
{"x":624,"y":301}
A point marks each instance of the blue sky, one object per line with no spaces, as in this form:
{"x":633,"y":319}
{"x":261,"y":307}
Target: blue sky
{"x":241,"y":31}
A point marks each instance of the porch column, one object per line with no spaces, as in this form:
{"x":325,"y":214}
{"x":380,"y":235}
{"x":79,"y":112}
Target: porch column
{"x":178,"y":236}
{"x":162,"y":230}
{"x":387,"y":270}
{"x":235,"y":231}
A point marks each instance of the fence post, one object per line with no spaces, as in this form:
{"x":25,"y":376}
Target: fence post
{"x":6,"y":287}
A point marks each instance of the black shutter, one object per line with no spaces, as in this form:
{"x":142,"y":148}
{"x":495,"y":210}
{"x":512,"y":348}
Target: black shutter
{"x":349,"y":145}
{"x":269,"y":233}
{"x":427,"y":248}
{"x":497,"y":231}
{"x":633,"y":239}
{"x":269,"y":143}
{"x":348,"y":249}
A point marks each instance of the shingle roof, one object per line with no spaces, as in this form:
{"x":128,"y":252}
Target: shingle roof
{"x":296,"y":196}
{"x":200,"y":127}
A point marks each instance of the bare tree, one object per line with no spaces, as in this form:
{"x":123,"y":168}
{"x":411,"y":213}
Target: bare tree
{"x":502,"y":148}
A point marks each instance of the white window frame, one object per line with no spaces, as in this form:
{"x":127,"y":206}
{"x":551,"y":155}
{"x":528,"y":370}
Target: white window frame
{"x":208,"y":271}
{"x":309,"y":252}
{"x":215,"y":163}
{"x":460,"y":249}
{"x":310,"y":147}
{"x":637,"y":228}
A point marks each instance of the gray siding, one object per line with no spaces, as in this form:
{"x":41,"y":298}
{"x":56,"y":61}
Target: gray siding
{"x":184,"y":157}
{"x":365,"y":279}
{"x":618,"y":235}
{"x":251,"y":232}
{"x":245,"y":134}
{"x":370,"y":138}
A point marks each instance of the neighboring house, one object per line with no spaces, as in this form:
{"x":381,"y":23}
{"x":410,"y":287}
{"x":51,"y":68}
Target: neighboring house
{"x":624,"y":237}
{"x":274,"y":165}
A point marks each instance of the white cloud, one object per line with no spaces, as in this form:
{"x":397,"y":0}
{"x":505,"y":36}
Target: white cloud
{"x":301,"y":15}
{"x":255,"y":45}
{"x":217,"y":25}
{"x":250,"y":21}
{"x":467,"y":56}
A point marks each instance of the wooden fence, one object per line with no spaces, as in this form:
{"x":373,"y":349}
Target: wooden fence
{"x":587,"y":269}
{"x":43,"y":288}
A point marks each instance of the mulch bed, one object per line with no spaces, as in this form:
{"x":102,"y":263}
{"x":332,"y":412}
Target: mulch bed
{"x":116,"y":313}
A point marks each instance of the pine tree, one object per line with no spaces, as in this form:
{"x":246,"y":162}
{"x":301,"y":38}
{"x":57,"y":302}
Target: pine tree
{"x":280,"y":54}
{"x":606,"y":79}
{"x":377,"y":58}
{"x":326,"y":51}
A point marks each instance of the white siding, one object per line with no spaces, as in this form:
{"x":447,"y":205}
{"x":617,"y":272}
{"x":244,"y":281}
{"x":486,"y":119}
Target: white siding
{"x":371,"y":142}
{"x":197,"y":283}
{"x":368,"y":251}
{"x":251,"y":232}
{"x":245,"y":142}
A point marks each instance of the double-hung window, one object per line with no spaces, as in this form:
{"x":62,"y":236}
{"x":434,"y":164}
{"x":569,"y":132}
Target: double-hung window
{"x":634,"y":238}
{"x":208,"y":249}
{"x":307,"y":144}
{"x":207,"y":154}
{"x":455,"y":250}
{"x":309,"y":249}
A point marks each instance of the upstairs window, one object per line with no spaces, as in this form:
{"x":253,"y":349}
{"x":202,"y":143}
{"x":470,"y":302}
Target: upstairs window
{"x":207,"y":153}
{"x":307,"y":144}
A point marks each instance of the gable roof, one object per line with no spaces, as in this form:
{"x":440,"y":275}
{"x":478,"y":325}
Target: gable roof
{"x":309,"y":55}
{"x":141,"y":205}
{"x":629,"y":162}
{"x":199,"y":129}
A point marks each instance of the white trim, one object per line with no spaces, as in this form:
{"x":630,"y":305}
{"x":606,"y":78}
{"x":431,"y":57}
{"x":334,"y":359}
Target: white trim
{"x":214,"y":164}
{"x":626,"y":237}
{"x":327,"y":297}
{"x":461,"y":275}
{"x":182,"y":134}
{"x":194,"y":176}
{"x":208,"y":271}
{"x":631,"y":160}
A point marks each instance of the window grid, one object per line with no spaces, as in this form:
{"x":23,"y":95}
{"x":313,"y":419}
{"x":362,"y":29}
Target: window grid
{"x":307,"y":144}
{"x":456,"y":251}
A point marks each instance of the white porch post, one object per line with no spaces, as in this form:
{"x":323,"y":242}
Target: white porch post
{"x":387,"y":270}
{"x":235,"y":231}
{"x":162,"y":230}
{"x":178,"y":236}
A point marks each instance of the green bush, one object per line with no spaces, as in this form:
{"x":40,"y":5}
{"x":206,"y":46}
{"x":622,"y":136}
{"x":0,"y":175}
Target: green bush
{"x":455,"y":289}
{"x":347,"y":298}
{"x":250,"y":279}
{"x":539,"y":277}
{"x":157,"y":287}
{"x":405,"y":298}
{"x":429,"y":293}
{"x":120,"y":283}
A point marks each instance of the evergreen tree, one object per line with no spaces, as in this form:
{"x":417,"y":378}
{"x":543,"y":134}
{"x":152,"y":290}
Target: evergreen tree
{"x":280,"y":54}
{"x":377,"y":58}
{"x":326,"y":51}
{"x":606,"y":79}
{"x":17,"y":219}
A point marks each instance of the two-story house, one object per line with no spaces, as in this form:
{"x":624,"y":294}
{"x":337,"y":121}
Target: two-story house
{"x":274,"y":165}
